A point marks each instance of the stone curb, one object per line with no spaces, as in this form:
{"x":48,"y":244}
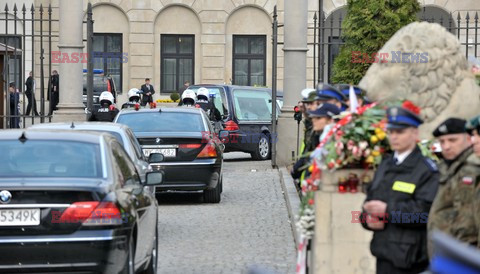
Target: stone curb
{"x":292,"y":199}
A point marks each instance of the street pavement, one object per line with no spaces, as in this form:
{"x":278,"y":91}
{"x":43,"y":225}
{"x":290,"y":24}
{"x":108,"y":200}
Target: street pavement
{"x":250,"y":226}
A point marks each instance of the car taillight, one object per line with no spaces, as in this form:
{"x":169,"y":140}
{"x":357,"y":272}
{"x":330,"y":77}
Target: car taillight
{"x":190,"y":146}
{"x":92,"y":213}
{"x":208,"y":151}
{"x":231,"y":125}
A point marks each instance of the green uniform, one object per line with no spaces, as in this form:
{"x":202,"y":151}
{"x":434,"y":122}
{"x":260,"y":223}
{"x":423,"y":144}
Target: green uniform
{"x":456,"y":208}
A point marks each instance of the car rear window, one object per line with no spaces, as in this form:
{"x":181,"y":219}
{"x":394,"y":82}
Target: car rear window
{"x":252,"y":105}
{"x":162,"y":121}
{"x":50,"y":158}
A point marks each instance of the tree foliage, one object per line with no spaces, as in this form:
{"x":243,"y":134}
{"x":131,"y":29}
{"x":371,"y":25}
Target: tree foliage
{"x":368,"y":25}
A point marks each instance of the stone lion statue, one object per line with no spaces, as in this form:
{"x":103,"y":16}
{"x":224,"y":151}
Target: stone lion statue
{"x":426,"y":66}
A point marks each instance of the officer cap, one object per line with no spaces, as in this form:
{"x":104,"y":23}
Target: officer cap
{"x":345,"y":89}
{"x":308,"y":95}
{"x":400,"y":117}
{"x":473,"y":124}
{"x":328,"y":92}
{"x":325,"y":110}
{"x":450,"y":126}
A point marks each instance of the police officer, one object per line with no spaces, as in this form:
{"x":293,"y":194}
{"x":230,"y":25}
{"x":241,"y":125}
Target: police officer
{"x":208,"y":106}
{"x":309,"y":104}
{"x":133,"y":98}
{"x":399,"y":199}
{"x":322,"y":118}
{"x":360,"y":93}
{"x":189,"y":98}
{"x":327,"y":93}
{"x":452,"y":211}
{"x":107,"y":111}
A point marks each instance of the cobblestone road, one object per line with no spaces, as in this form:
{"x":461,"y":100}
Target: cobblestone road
{"x":249,"y":227}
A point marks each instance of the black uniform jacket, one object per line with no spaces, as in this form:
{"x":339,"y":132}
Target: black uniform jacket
{"x":409,"y":190}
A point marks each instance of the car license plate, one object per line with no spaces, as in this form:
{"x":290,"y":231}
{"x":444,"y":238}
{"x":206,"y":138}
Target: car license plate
{"x":167,"y":152}
{"x":19,"y":217}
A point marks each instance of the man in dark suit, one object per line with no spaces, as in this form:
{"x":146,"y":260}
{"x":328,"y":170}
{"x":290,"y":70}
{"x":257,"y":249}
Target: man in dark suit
{"x":182,"y":89}
{"x":53,"y":92}
{"x":147,"y":91}
{"x":30,"y":86}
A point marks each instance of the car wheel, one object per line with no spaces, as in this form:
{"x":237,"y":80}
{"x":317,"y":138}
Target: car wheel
{"x":152,"y":266}
{"x":212,"y":195}
{"x":129,"y":266}
{"x":262,"y":151}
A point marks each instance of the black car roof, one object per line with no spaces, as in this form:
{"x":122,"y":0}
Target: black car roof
{"x":67,"y":135}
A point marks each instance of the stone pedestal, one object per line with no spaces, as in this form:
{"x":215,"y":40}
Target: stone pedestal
{"x":340,"y":246}
{"x":70,"y":107}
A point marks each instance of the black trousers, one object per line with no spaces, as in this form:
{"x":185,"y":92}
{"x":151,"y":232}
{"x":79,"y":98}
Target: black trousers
{"x":31,"y":104}
{"x":53,"y":102}
{"x":386,"y":267}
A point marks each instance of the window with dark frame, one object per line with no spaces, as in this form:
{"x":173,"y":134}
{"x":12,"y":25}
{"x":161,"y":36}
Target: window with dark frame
{"x":14,"y":59}
{"x":108,"y":55}
{"x":177,"y":61}
{"x":249,"y":60}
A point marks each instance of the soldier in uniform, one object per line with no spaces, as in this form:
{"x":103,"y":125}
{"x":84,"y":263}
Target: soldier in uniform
{"x":360,"y":93}
{"x":452,"y":211}
{"x":399,"y":198}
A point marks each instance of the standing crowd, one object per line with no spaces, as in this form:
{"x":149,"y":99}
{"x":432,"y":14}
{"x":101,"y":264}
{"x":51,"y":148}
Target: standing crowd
{"x":407,"y":183}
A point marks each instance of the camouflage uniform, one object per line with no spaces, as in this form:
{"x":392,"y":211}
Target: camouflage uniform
{"x":455,"y":210}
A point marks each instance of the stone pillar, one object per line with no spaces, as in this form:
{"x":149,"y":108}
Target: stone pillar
{"x":295,"y":76}
{"x":70,"y":107}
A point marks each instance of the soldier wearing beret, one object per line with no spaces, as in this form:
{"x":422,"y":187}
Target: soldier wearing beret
{"x":399,"y":198}
{"x":453,"y":211}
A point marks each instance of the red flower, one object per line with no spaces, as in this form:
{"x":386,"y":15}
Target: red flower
{"x":331,"y":165}
{"x":411,"y":107}
{"x":310,"y":202}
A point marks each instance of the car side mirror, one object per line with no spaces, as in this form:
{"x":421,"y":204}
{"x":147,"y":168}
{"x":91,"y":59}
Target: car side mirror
{"x":223,"y":135}
{"x":154,"y":178}
{"x":155,"y":158}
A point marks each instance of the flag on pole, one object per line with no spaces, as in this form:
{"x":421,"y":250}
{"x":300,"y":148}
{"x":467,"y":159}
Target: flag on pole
{"x":353,"y":100}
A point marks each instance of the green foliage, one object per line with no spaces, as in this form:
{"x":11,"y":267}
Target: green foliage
{"x":368,"y":25}
{"x":174,"y":96}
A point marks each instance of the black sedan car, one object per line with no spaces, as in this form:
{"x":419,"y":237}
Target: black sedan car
{"x":73,"y":202}
{"x":192,"y":153}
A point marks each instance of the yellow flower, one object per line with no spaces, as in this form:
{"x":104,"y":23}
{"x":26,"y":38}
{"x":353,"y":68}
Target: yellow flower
{"x":310,"y":169}
{"x":370,"y":159}
{"x":381,"y":136}
{"x":373,"y":139}
{"x":378,"y":130}
{"x":375,"y":153}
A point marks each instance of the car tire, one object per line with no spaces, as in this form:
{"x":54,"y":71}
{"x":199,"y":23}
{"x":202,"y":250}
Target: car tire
{"x":212,"y":196}
{"x":152,"y":266}
{"x":263,"y":150}
{"x":129,"y":267}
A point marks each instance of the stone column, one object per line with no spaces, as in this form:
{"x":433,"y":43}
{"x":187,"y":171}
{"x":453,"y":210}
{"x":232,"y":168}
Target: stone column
{"x":70,"y":107}
{"x":295,"y":75}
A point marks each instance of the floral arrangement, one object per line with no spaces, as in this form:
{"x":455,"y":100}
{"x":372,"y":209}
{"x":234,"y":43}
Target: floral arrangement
{"x":476,"y":73}
{"x":360,"y":143}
